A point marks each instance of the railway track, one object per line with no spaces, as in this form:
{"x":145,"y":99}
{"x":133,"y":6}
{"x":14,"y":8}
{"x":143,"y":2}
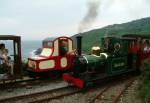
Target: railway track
{"x":119,"y":87}
{"x":26,"y":82}
{"x":42,"y":96}
{"x":14,"y":82}
{"x":67,"y":92}
{"x":112,"y":93}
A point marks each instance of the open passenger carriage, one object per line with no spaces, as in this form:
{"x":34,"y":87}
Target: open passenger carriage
{"x":16,"y":71}
{"x":139,"y":47}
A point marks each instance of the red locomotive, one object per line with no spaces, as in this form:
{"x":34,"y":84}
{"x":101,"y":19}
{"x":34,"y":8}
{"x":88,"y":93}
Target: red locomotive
{"x":56,"y":55}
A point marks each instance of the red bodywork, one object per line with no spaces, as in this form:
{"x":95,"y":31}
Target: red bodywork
{"x":141,"y":57}
{"x":57,"y":64}
{"x":75,"y":81}
{"x":56,"y":58}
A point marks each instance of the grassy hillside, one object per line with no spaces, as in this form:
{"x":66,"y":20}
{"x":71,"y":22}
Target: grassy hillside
{"x":90,"y":38}
{"x":144,"y":87}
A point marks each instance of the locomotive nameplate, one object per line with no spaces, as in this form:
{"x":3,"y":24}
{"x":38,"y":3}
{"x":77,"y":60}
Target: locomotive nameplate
{"x":118,"y":64}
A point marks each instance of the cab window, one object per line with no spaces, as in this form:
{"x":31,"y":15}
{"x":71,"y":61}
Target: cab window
{"x":46,"y":52}
{"x":48,"y":44}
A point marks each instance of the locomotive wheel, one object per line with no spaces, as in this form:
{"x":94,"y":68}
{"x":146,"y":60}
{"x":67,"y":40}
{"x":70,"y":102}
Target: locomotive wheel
{"x":32,"y":74}
{"x":54,"y":74}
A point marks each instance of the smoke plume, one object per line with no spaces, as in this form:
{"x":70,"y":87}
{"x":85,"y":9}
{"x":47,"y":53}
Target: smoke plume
{"x":90,"y":17}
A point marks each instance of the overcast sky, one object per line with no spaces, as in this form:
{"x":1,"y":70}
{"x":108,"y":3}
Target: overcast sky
{"x":37,"y":19}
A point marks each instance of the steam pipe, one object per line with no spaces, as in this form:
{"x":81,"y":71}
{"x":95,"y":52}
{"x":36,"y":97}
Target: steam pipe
{"x":79,"y":44}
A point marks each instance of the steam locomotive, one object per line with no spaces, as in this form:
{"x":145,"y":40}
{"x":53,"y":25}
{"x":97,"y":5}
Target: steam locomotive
{"x":118,"y":55}
{"x":115,"y":56}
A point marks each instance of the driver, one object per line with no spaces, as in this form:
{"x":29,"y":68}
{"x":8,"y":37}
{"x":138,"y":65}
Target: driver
{"x":63,"y":48}
{"x":116,"y":47}
{"x":108,"y":46}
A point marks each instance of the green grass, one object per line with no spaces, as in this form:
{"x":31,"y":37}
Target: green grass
{"x":144,"y":87}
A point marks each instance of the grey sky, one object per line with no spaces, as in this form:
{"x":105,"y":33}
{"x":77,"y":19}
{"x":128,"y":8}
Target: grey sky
{"x":37,"y":19}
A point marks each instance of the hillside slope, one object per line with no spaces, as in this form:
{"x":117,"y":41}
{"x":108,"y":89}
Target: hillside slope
{"x":90,"y":38}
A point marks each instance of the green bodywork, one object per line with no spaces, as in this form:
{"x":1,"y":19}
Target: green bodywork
{"x":112,"y":65}
{"x":95,"y":62}
{"x":117,"y":60}
{"x":115,"y":63}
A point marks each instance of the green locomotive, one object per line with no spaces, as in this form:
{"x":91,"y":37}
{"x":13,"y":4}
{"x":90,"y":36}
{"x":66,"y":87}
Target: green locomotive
{"x":114,"y":59}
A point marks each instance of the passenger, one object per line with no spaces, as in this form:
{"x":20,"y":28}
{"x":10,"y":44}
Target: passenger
{"x":5,"y":60}
{"x":146,"y":46}
{"x":133,"y":48}
{"x":3,"y":53}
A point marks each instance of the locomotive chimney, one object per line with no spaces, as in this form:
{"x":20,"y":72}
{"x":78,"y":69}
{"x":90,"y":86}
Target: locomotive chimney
{"x":79,"y":44}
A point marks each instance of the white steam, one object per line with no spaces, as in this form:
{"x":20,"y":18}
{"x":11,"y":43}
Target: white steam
{"x":90,"y":17}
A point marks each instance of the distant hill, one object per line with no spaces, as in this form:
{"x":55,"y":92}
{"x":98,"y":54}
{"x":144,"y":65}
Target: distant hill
{"x":90,"y":38}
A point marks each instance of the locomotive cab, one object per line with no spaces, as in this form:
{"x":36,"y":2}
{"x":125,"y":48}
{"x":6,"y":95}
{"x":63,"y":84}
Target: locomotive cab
{"x":55,"y":55}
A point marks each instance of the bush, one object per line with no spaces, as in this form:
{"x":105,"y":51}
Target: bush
{"x":144,"y":86}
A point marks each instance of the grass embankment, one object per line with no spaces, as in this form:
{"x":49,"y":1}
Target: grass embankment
{"x":93,"y":37}
{"x":144,"y":87}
